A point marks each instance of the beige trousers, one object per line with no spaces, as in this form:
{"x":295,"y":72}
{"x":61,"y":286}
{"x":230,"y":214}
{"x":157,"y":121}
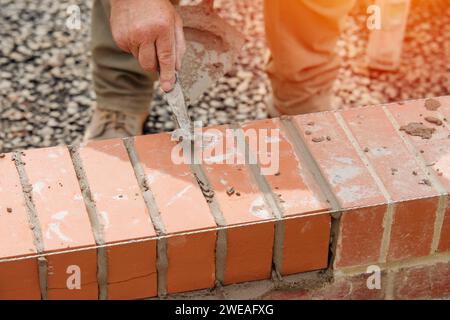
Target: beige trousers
{"x":301,"y":35}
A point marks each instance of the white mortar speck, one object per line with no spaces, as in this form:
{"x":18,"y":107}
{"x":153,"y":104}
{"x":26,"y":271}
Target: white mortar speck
{"x":54,"y":228}
{"x":259,"y":209}
{"x":343,"y":174}
{"x":355,"y":193}
{"x":38,"y":186}
{"x":178,"y":195}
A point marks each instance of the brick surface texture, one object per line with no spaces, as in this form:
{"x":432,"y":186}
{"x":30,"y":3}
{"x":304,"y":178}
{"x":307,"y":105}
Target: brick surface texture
{"x":351,"y":189}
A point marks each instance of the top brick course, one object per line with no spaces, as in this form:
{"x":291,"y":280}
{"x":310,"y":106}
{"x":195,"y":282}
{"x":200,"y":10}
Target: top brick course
{"x":138,"y":225}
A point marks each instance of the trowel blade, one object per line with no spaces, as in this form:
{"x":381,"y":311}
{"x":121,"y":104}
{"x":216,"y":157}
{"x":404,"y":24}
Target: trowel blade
{"x":212,"y":47}
{"x":176,"y":101}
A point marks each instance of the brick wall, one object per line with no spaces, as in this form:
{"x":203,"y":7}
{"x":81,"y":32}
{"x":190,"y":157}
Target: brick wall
{"x":352,"y":189}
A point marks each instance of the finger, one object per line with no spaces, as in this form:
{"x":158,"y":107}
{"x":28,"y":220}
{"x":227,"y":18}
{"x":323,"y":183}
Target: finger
{"x":180,"y":42}
{"x":147,"y":57}
{"x":165,"y":50}
{"x":135,"y":51}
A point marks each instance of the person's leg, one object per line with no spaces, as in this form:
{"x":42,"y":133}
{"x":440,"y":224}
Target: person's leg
{"x":302,"y":35}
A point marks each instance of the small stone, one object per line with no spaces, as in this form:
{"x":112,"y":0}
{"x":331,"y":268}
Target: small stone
{"x":230,"y":191}
{"x":418,"y":130}
{"x":432,"y":104}
{"x":434,"y":120}
{"x":229,"y":103}
{"x":425,"y":182}
{"x":318,"y":139}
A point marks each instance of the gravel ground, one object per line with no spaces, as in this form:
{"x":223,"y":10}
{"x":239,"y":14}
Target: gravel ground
{"x":45,"y":83}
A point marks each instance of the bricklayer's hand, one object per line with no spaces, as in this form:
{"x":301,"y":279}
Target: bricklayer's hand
{"x":153,"y":32}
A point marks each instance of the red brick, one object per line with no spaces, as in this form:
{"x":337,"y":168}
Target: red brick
{"x":411,"y":234}
{"x":445,"y":107}
{"x":360,"y":245}
{"x":386,"y":152}
{"x":124,"y":215}
{"x":183,"y":209}
{"x":136,"y":259}
{"x":413,"y":283}
{"x":249,"y":253}
{"x":293,"y":294}
{"x":437,"y":155}
{"x":249,"y":248}
{"x":335,"y":290}
{"x":306,"y":243}
{"x":58,"y":275}
{"x":415,"y":111}
{"x":351,"y":287}
{"x":353,"y":187}
{"x":425,"y":281}
{"x":299,"y":195}
{"x":440,"y":280}
{"x":191,"y":262}
{"x":341,"y":288}
{"x":18,"y":279}
{"x":64,"y":221}
{"x":444,"y":241}
{"x":360,"y":290}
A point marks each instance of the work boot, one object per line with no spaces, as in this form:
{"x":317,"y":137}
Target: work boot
{"x":108,"y":124}
{"x":272,"y":112}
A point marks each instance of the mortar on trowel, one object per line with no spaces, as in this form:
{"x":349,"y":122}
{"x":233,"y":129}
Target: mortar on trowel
{"x":212,"y":47}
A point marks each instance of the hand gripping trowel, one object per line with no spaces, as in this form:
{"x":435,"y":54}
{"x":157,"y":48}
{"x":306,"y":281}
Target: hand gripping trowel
{"x":212,"y":46}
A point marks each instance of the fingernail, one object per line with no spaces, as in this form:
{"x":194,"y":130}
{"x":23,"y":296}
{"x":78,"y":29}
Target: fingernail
{"x":166,"y":86}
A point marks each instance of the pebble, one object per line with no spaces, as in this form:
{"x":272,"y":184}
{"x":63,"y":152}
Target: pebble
{"x":46,"y":89}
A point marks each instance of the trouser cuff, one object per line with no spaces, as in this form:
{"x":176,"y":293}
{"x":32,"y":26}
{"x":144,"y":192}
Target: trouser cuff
{"x":124,"y":104}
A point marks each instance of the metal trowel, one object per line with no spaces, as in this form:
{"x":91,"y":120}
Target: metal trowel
{"x":176,"y":100}
{"x":212,"y":47}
